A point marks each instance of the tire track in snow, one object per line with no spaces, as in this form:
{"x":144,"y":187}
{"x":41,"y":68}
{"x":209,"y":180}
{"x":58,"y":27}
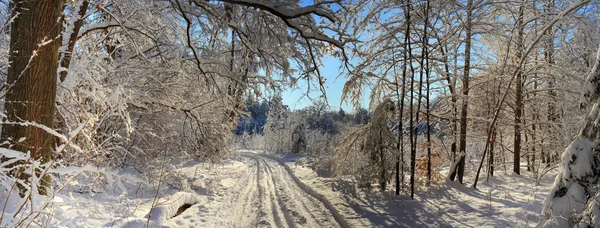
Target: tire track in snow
{"x":271,"y":199}
{"x":242,"y":213}
{"x":310,"y":204}
{"x":261,"y":194}
{"x":309,"y":210}
{"x":280,"y":201}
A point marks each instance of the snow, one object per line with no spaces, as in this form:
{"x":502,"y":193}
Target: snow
{"x":505,"y":201}
{"x":254,"y":189}
{"x":588,"y":92}
{"x":168,"y":209}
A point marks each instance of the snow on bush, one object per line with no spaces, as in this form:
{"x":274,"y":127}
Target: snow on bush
{"x":25,"y":207}
{"x":368,"y":151}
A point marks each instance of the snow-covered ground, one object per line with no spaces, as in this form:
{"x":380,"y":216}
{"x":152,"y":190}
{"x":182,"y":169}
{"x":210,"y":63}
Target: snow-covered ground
{"x":252,"y":189}
{"x":505,"y":201}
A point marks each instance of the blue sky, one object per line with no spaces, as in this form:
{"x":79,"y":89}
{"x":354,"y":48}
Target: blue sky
{"x":296,"y":98}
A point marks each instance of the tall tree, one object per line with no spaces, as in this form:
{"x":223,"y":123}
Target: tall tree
{"x":518,"y":91}
{"x":400,"y":97}
{"x":32,"y":75}
{"x":412,"y":134}
{"x":553,"y":111}
{"x":460,"y":167}
{"x":426,"y":58}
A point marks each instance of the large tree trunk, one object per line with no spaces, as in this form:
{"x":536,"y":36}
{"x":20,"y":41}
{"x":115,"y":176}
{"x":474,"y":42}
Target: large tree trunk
{"x":32,"y":76}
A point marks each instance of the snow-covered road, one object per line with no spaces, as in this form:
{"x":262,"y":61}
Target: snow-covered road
{"x":282,"y":203}
{"x":258,"y":191}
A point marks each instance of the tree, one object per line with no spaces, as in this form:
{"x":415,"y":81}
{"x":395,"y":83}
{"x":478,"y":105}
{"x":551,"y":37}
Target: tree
{"x":276,"y":129}
{"x":518,"y":91}
{"x":31,"y":92}
{"x":341,"y":116}
{"x":400,"y":97}
{"x":465,"y":92}
{"x":462,"y":147}
{"x":428,"y":89}
{"x":299,"y":139}
{"x":579,"y":171}
{"x":412,"y":135}
{"x":366,"y":150}
{"x":362,"y":116}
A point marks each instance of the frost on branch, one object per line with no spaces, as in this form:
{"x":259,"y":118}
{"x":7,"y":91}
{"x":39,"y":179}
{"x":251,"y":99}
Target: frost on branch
{"x":368,"y":151}
{"x":574,"y":197}
{"x":591,"y":86}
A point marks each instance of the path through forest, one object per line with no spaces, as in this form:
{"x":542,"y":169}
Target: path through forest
{"x":256,"y":191}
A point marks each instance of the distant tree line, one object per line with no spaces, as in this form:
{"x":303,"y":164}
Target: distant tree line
{"x":317,"y":116}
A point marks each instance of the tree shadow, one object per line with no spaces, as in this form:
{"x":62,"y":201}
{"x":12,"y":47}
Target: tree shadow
{"x":389,"y":210}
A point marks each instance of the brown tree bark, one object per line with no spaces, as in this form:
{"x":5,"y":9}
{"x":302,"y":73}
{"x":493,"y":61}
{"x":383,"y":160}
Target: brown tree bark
{"x":32,"y":74}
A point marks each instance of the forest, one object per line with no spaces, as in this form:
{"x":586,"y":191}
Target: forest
{"x":179,"y":113}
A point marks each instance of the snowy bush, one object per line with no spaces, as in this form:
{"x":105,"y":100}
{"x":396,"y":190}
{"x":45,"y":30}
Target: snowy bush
{"x":368,"y":151}
{"x":25,"y":206}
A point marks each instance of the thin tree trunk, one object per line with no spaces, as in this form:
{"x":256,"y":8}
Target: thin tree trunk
{"x":503,"y":153}
{"x":491,"y":158}
{"x":382,"y":180}
{"x":426,"y":56}
{"x":451,"y":87}
{"x":534,"y":113}
{"x":527,"y":142}
{"x":413,"y":152}
{"x":553,"y":113}
{"x":400,"y":144}
{"x":65,"y":61}
{"x":490,"y":169}
{"x":465,"y":94}
{"x":416,"y":126}
{"x":31,"y":95}
{"x":518,"y":93}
